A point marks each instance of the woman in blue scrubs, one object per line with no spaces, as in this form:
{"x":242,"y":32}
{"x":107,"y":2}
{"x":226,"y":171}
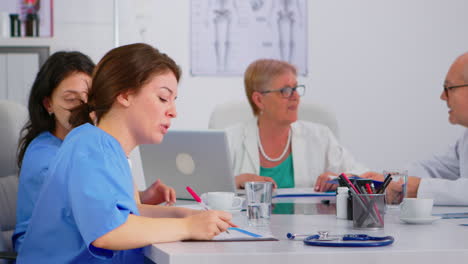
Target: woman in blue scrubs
{"x":61,"y":84}
{"x":88,"y":209}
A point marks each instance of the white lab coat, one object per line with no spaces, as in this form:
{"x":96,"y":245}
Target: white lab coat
{"x":315,"y":150}
{"x":444,"y":177}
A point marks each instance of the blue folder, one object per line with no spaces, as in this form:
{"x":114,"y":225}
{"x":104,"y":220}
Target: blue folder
{"x":377,"y":184}
{"x":318,"y":194}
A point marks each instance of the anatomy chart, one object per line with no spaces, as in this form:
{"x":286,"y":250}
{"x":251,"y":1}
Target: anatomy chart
{"x":227,"y":35}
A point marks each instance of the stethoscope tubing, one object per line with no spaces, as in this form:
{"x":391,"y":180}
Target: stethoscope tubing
{"x":313,"y":241}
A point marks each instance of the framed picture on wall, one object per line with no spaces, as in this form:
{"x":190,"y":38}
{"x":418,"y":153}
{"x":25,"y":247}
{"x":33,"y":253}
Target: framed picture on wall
{"x":34,"y":18}
{"x":227,"y":35}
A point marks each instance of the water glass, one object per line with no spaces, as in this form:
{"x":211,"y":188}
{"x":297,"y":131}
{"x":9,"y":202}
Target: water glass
{"x":258,"y":202}
{"x":397,"y":190}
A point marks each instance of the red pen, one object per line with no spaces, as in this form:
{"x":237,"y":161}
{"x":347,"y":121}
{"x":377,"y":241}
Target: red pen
{"x":197,"y":198}
{"x":376,"y":209}
{"x":349,"y":182}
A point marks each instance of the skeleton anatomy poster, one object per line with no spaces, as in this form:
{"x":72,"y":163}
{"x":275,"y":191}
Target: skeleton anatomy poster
{"x":227,"y":35}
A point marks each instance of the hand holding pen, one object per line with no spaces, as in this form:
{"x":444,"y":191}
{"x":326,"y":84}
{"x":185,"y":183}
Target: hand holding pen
{"x":205,"y":225}
{"x":206,"y":208}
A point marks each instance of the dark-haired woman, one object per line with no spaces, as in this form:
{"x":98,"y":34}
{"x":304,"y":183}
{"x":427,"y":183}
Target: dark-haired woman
{"x":88,"y":210}
{"x":60,"y":85}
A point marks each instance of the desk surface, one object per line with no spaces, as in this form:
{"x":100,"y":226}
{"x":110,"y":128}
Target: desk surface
{"x":444,"y":241}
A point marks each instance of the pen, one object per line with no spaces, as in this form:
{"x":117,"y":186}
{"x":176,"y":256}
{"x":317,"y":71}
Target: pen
{"x":349,"y":183}
{"x":362,"y":189}
{"x":199,"y":200}
{"x":376,"y":208}
{"x":385,"y":184}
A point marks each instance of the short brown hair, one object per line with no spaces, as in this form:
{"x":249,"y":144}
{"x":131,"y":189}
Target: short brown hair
{"x":122,"y":69}
{"x":260,"y":74}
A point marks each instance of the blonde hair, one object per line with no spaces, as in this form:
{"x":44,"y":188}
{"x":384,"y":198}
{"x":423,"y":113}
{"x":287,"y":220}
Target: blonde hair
{"x":260,"y":74}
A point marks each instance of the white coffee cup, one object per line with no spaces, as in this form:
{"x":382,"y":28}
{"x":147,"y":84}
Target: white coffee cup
{"x":223,"y":200}
{"x":416,"y":208}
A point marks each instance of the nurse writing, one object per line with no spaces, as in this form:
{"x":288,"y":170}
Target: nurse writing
{"x":88,"y":210}
{"x":60,"y":85}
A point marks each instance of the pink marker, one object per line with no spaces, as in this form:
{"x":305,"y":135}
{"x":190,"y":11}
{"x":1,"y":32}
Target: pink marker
{"x":197,"y":198}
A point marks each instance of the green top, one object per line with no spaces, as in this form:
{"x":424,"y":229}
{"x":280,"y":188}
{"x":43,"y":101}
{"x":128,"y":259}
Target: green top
{"x":283,"y":174}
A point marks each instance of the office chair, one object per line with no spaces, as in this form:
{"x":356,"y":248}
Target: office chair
{"x":230,"y":113}
{"x":12,"y":118}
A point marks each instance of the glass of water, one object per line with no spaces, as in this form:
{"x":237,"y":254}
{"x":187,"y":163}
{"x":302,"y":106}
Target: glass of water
{"x":258,"y":202}
{"x":397,"y":190}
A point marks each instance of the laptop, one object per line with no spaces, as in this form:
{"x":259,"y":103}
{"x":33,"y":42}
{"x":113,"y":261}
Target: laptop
{"x":196,"y":158}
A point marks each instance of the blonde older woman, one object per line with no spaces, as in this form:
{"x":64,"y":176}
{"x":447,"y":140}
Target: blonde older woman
{"x":275,"y":146}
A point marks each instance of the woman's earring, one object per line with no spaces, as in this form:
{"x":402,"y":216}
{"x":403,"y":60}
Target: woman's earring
{"x":51,"y":113}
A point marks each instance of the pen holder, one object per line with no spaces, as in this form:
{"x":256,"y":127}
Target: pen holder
{"x":368,"y":211}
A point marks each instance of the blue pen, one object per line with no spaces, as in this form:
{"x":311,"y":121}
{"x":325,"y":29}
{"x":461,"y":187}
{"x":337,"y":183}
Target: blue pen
{"x":244,"y":232}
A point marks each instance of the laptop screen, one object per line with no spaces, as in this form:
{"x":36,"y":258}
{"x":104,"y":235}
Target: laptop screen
{"x":199,"y":159}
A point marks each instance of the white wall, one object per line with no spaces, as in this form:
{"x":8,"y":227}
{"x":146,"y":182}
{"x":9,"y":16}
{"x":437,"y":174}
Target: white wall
{"x":84,"y":25}
{"x":379,"y":65}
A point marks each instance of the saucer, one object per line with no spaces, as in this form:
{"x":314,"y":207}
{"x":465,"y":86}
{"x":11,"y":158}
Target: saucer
{"x":421,"y":221}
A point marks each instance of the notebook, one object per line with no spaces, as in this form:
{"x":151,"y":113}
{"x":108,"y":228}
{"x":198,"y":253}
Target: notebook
{"x":196,"y":158}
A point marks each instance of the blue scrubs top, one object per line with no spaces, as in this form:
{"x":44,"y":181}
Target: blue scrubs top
{"x":87,"y":193}
{"x":40,"y":152}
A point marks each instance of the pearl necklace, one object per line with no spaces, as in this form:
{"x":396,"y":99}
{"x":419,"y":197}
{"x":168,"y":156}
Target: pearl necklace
{"x":286,"y":148}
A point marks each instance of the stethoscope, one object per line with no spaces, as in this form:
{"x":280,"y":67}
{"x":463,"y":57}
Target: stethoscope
{"x":323,"y":239}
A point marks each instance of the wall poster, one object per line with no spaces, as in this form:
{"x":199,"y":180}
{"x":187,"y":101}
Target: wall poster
{"x":227,"y":35}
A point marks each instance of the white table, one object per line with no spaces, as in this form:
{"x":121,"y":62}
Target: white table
{"x":442,"y":242}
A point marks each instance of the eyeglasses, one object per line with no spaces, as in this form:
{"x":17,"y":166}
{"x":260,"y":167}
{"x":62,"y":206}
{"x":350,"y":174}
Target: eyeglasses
{"x":287,"y":92}
{"x":447,"y":88}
